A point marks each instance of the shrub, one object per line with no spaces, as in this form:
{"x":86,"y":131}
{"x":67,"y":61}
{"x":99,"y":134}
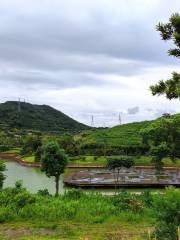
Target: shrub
{"x":6,"y":214}
{"x":167,"y":208}
{"x":22,"y":199}
{"x":73,"y":194}
{"x":44,"y":192}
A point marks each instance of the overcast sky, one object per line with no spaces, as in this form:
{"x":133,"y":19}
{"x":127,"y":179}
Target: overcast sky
{"x":86,"y":58}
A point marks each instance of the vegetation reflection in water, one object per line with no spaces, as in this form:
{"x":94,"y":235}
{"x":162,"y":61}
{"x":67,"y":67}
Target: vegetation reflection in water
{"x":33,"y":179}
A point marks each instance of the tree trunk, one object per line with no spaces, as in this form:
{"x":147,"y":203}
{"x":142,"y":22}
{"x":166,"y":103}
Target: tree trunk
{"x":57,"y":185}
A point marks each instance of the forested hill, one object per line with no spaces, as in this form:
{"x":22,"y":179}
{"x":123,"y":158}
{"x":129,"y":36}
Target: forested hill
{"x":36,"y":117}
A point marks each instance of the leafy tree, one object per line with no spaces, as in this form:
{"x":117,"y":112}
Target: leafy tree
{"x":32,"y":144}
{"x":163,"y":139}
{"x":159,"y":152}
{"x":117,"y":164}
{"x":6,"y":141}
{"x":2,"y":176}
{"x":54,"y":161}
{"x":170,"y":31}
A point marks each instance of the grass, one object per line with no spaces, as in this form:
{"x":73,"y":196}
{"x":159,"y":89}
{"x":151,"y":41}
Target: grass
{"x":122,"y":135}
{"x":14,"y":150}
{"x":72,"y":231}
{"x":101,"y":160}
{"x":29,"y":158}
{"x":127,"y":135}
{"x":77,"y":215}
{"x":56,"y":218}
{"x":74,"y":215}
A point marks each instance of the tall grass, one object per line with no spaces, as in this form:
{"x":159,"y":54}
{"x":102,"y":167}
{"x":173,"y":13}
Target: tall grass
{"x":17,"y":203}
{"x":161,"y":210}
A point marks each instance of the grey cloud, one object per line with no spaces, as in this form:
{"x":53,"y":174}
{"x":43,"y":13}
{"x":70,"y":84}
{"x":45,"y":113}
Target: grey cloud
{"x":77,"y":45}
{"x":133,"y":110}
{"x":39,"y":40}
{"x":57,"y":80}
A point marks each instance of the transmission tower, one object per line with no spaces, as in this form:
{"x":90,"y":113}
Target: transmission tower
{"x":19,"y":105}
{"x":119,"y":119}
{"x":92,"y":121}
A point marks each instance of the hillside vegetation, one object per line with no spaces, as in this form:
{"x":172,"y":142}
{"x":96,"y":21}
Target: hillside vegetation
{"x":126,"y":136}
{"x":122,"y":135}
{"x":36,"y":117}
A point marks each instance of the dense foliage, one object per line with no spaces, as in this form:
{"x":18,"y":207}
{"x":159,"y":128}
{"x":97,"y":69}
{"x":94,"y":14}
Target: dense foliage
{"x":119,"y":140}
{"x":36,"y":117}
{"x":170,"y":31}
{"x":124,"y":139}
{"x":2,"y":176}
{"x":94,"y":208}
{"x":163,"y":138}
{"x":32,"y":145}
{"x":53,"y":162}
{"x":167,"y":215}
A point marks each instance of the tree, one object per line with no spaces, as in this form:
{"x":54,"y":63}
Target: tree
{"x":54,"y":161}
{"x":2,"y":176}
{"x":170,"y":31}
{"x":32,"y":145}
{"x":116,"y":165}
{"x":163,"y":139}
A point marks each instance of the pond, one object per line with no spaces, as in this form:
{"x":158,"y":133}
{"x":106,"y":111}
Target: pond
{"x":32,"y":178}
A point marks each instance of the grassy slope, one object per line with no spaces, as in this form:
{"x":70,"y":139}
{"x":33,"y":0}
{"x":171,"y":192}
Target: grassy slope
{"x":122,"y":135}
{"x":36,"y":117}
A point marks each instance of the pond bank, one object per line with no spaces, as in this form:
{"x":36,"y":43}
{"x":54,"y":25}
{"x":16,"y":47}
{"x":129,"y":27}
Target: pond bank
{"x":19,"y":160}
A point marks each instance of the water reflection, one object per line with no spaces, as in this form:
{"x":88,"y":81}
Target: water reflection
{"x":33,"y":179}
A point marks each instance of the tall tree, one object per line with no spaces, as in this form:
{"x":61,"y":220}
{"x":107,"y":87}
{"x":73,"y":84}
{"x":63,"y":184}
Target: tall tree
{"x":2,"y":176}
{"x":116,"y":164}
{"x":170,"y":31}
{"x":54,"y":161}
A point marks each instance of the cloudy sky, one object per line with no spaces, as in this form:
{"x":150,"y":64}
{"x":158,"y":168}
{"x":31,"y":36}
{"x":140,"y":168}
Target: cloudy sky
{"x":87,"y":58}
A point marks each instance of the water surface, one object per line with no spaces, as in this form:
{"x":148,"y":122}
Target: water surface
{"x":32,"y":178}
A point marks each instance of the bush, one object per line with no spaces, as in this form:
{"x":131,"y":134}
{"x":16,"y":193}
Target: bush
{"x":167,"y":208}
{"x":6,"y":214}
{"x":147,"y":198}
{"x":22,"y":199}
{"x":44,"y":192}
{"x":73,"y":194}
{"x":125,"y":201}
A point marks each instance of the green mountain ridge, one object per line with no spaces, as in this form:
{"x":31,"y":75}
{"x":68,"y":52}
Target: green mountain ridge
{"x":36,"y":117}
